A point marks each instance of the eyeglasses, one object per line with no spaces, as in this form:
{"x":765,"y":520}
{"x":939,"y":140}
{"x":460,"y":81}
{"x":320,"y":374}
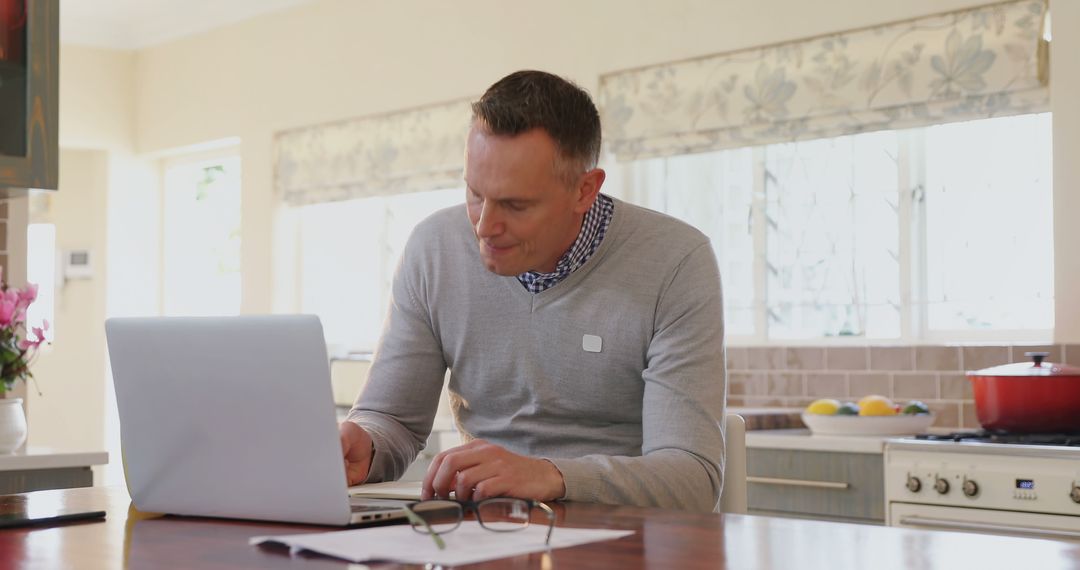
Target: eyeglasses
{"x":499,"y":514}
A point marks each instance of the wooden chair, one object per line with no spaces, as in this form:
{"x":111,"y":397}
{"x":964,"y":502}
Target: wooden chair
{"x":733,"y":497}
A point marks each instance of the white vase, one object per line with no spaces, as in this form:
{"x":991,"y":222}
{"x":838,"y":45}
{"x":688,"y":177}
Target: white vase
{"x":12,"y":424}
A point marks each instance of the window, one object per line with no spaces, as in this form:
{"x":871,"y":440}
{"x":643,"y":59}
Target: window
{"x":347,"y":257}
{"x":201,"y":237}
{"x":937,"y":233}
{"x":41,"y":265}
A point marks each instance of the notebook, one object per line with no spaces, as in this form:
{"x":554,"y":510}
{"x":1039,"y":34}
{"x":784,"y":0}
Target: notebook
{"x":233,"y":417}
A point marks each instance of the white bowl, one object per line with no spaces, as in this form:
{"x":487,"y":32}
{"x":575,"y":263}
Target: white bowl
{"x":900,"y":424}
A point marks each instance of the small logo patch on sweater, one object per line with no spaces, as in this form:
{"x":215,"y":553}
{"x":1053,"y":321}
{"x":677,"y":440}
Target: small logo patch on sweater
{"x":591,"y":343}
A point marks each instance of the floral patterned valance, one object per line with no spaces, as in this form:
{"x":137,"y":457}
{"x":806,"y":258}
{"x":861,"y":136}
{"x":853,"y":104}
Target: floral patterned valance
{"x":973,"y":64}
{"x":409,"y":151}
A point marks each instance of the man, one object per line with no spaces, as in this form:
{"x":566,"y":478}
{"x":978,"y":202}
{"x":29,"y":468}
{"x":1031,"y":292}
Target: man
{"x":583,"y":334}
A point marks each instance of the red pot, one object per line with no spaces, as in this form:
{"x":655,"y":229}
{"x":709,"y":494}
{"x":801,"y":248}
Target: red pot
{"x":1028,"y":397}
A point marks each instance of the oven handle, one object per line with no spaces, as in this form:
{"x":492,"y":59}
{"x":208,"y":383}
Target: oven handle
{"x":796,"y":482}
{"x":978,"y":526}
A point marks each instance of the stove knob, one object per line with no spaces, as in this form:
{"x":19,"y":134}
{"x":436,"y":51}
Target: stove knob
{"x":970,"y":488}
{"x":1075,"y":494}
{"x":941,"y":486}
{"x":914,"y":485}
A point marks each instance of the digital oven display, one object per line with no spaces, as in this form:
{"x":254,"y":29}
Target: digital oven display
{"x":1025,"y":484}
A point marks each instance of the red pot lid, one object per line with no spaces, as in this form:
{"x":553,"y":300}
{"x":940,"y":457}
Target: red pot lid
{"x":1037,"y":367}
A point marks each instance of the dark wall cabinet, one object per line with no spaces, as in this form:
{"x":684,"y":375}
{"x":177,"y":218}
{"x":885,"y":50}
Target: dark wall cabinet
{"x":29,"y":68}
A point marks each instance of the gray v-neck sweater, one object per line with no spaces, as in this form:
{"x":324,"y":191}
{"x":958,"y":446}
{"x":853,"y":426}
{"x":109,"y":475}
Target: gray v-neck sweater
{"x":636,"y":422}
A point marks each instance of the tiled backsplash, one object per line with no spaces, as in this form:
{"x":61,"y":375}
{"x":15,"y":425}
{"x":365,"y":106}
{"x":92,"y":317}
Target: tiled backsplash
{"x":794,"y":376}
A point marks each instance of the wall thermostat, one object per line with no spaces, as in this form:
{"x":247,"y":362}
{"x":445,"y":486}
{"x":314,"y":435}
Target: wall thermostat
{"x":77,"y":264}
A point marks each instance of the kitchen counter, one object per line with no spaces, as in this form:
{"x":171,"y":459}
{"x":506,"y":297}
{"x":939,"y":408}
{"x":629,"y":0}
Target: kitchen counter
{"x":802,"y":439}
{"x":48,"y":458}
{"x":37,"y":468}
{"x":769,"y":418}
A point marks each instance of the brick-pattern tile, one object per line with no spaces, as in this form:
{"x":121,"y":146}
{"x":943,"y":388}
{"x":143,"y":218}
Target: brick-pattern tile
{"x":763,"y":402}
{"x":979,"y":357}
{"x":846,"y":358}
{"x":1019,"y":350}
{"x":865,"y":384}
{"x":798,"y":402}
{"x":956,"y":387}
{"x":826,"y":385}
{"x":736,"y":358}
{"x":766,"y":358}
{"x":775,"y":384}
{"x":892,"y":358}
{"x":805,"y":358}
{"x":947,"y":414}
{"x":786,"y":384}
{"x":937,"y":358}
{"x":968,"y":417}
{"x":737,"y":383}
{"x":915,"y":386}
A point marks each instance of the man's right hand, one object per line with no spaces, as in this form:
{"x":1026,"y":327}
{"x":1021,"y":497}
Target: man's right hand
{"x":357,"y":448}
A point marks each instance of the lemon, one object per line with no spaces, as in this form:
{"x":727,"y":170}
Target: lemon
{"x":823,"y":407}
{"x":876,"y":406}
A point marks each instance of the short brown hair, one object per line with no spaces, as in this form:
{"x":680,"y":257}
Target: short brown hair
{"x":526,"y":100}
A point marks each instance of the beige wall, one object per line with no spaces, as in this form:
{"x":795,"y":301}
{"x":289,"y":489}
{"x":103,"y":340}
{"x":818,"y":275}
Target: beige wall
{"x":68,"y":413}
{"x":97,"y":98}
{"x":97,"y":111}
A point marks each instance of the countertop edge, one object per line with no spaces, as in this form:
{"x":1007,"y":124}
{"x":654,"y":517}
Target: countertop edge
{"x":801,"y":439}
{"x":41,"y":458}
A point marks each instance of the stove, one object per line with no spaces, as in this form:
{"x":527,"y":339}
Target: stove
{"x":984,"y":436}
{"x":1017,"y":484}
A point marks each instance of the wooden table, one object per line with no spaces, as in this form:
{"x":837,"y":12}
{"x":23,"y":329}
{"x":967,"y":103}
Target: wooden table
{"x":662,"y":539}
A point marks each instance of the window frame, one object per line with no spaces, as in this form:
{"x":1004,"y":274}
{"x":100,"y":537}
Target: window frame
{"x":913,"y":259}
{"x":198,"y":155}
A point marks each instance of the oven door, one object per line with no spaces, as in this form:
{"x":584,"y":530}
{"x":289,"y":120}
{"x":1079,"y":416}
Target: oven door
{"x":985,"y":521}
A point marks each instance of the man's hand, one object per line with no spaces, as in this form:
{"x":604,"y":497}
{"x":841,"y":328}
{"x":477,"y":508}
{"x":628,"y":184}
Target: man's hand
{"x":480,"y":470}
{"x":357,"y":448}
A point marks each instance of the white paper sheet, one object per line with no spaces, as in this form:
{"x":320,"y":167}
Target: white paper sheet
{"x":468,"y":544}
{"x":388,"y":490}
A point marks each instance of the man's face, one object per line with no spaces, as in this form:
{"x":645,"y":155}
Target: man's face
{"x":523,"y":214}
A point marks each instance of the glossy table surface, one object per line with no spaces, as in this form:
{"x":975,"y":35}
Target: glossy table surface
{"x":661,"y":539}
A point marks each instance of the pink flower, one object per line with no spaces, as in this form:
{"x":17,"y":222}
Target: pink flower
{"x":39,"y":334}
{"x":13,"y":305}
{"x":7,"y":310}
{"x":28,"y":294}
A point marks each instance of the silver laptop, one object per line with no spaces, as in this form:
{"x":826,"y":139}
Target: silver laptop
{"x":232,"y":417}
